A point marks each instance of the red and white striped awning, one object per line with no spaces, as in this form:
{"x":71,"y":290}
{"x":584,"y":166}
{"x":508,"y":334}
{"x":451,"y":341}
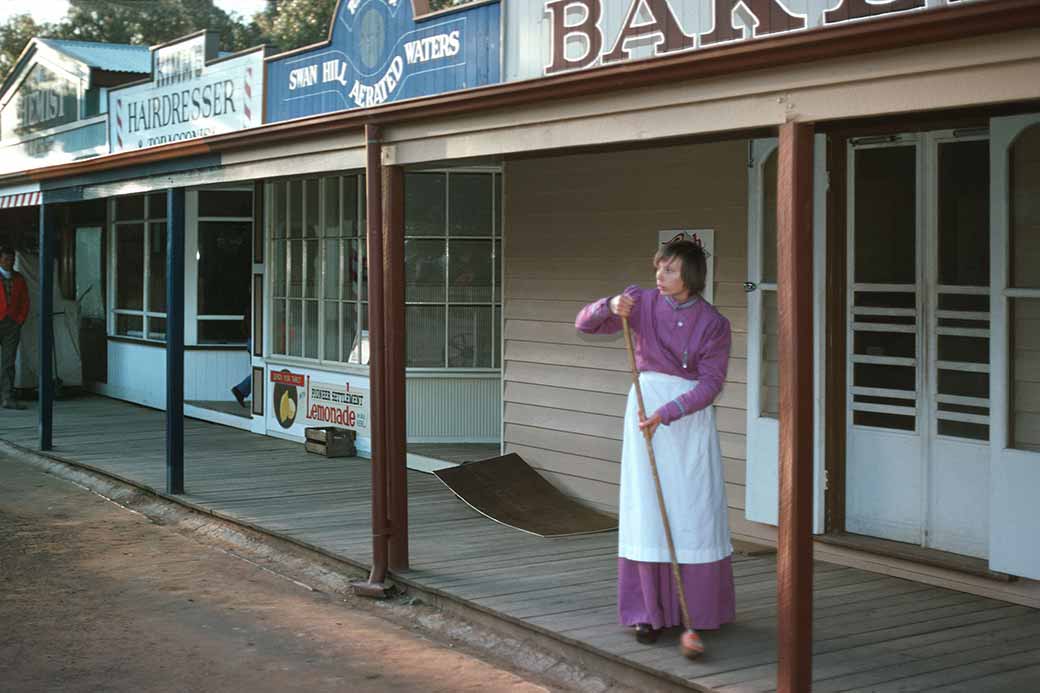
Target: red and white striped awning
{"x":25,"y":199}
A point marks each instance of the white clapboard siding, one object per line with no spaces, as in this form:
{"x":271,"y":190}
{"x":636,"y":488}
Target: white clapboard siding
{"x":583,"y":227}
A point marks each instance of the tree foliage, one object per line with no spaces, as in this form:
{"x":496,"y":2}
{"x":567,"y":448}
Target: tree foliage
{"x":288,"y":24}
{"x":14,"y":34}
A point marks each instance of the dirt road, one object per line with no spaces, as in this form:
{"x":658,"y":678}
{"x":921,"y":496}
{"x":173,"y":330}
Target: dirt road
{"x":94,"y":597}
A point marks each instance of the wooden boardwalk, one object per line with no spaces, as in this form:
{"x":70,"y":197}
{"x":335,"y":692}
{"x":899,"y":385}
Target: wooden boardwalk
{"x":872,"y":632}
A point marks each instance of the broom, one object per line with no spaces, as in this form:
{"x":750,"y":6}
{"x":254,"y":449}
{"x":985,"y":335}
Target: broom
{"x":690,"y":643}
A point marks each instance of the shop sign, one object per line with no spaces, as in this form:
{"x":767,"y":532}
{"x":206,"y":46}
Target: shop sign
{"x":43,"y":100}
{"x":584,"y":33}
{"x":308,"y":399}
{"x":338,"y":404}
{"x":378,"y":53}
{"x":191,"y":93}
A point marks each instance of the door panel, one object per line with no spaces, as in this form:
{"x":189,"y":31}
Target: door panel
{"x":1015,"y":345}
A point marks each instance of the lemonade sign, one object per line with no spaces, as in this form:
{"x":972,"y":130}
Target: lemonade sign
{"x":338,"y":404}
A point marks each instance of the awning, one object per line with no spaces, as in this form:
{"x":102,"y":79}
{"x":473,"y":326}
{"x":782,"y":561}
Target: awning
{"x":25,"y":199}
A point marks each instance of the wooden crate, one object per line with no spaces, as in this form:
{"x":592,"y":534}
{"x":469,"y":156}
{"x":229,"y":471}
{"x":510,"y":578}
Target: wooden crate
{"x":330,"y":441}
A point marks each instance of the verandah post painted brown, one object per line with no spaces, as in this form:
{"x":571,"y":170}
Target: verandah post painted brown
{"x":794,"y":557}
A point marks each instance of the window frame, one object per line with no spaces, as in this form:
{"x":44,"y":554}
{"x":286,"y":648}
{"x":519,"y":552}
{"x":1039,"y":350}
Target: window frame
{"x":497,"y":240}
{"x":144,"y":313}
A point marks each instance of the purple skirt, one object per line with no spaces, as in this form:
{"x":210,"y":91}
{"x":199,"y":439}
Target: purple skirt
{"x":647,"y":594}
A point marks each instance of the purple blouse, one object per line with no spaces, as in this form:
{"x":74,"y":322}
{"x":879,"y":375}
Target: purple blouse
{"x":689,"y":340}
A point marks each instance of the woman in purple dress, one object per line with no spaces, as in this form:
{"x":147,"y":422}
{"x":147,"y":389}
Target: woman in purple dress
{"x":682,"y":350}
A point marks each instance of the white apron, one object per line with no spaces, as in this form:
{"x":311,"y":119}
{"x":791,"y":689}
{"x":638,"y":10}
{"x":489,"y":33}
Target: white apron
{"x":689,"y":462}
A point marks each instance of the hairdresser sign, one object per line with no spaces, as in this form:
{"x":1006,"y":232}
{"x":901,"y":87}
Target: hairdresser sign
{"x":191,"y":93}
{"x":381,"y":51}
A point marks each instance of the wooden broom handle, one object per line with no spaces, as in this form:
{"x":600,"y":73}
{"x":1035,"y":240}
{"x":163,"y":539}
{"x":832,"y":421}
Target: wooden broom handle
{"x":657,"y":479}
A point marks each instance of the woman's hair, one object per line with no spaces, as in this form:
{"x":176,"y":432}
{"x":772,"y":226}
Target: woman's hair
{"x":694,"y":260}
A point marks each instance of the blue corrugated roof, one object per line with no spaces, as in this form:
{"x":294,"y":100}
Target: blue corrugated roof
{"x":115,"y":57}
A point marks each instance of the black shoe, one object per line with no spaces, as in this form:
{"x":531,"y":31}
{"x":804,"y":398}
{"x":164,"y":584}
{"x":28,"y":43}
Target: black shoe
{"x":647,"y":634}
{"x":239,"y":397}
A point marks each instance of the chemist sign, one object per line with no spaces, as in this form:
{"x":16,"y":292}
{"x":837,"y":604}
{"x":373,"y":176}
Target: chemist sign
{"x":192,"y":93}
{"x":378,"y":53}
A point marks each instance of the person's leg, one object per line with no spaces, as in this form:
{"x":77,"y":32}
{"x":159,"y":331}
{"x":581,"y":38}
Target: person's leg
{"x":246,"y":386}
{"x":9,"y":336}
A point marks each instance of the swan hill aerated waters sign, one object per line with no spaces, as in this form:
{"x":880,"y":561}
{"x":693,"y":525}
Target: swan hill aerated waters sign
{"x":192,"y":93}
{"x":379,"y":52}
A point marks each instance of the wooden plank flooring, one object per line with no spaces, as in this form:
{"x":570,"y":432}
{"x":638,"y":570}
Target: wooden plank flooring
{"x":871,"y":632}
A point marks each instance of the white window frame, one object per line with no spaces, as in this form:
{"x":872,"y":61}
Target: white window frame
{"x":113,"y":269}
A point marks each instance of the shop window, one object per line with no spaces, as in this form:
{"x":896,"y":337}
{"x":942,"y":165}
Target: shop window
{"x":452,"y":269}
{"x":319,"y":310}
{"x":452,"y":263}
{"x":139,"y":239}
{"x":225,"y":238}
{"x":1024,"y":306}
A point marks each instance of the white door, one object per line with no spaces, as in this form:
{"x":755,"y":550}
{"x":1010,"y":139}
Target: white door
{"x":918,"y":319}
{"x":763,"y":377}
{"x":1015,"y":355}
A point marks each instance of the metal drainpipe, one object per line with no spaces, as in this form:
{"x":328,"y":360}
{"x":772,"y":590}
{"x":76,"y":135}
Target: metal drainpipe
{"x":376,"y":585}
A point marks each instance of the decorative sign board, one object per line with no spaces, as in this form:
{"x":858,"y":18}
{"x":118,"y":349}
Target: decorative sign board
{"x":191,"y":93}
{"x":378,"y":53}
{"x":302,"y":397}
{"x":548,"y":37}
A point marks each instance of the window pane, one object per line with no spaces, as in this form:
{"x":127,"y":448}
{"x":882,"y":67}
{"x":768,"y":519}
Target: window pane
{"x":295,"y":208}
{"x":332,"y":224}
{"x":311,"y":330}
{"x":424,"y":204}
{"x":499,"y":204}
{"x":295,"y":328}
{"x":222,"y":332}
{"x":157,"y":268}
{"x":157,"y":203}
{"x":358,"y":340}
{"x":1025,"y":210}
{"x":130,"y":207}
{"x":130,"y":267}
{"x":424,"y":265}
{"x":295,"y":269}
{"x":471,"y":204}
{"x":278,"y":267}
{"x":157,"y":329}
{"x":768,"y":212}
{"x":424,"y":330}
{"x":351,"y":215}
{"x":332,"y":275}
{"x":470,"y":337}
{"x":498,"y":337}
{"x":226,"y":203}
{"x":363,"y":282}
{"x":348,"y":331}
{"x":469,"y":275}
{"x":278,"y":194}
{"x":278,"y":326}
{"x":498,"y":271}
{"x":312,"y":276}
{"x":330,"y":350}
{"x":130,"y":326}
{"x":964,"y":213}
{"x":351,"y":258}
{"x":225,"y":266}
{"x":311,"y":207}
{"x":769,"y":397}
{"x":1025,"y":374}
{"x":886,"y":215}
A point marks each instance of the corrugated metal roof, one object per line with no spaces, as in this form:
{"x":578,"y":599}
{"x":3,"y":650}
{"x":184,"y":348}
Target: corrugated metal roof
{"x":115,"y":57}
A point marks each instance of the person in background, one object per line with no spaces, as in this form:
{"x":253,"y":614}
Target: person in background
{"x":14,"y":309}
{"x":244,"y":389}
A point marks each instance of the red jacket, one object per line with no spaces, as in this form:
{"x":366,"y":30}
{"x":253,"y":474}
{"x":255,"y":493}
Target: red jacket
{"x":15,"y":306}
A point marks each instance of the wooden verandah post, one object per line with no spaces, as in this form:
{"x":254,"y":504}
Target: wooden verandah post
{"x":794,"y":280}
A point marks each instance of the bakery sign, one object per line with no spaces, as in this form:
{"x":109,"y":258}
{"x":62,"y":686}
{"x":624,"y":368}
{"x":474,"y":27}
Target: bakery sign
{"x":584,"y":33}
{"x":379,"y":52}
{"x":192,"y":92}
